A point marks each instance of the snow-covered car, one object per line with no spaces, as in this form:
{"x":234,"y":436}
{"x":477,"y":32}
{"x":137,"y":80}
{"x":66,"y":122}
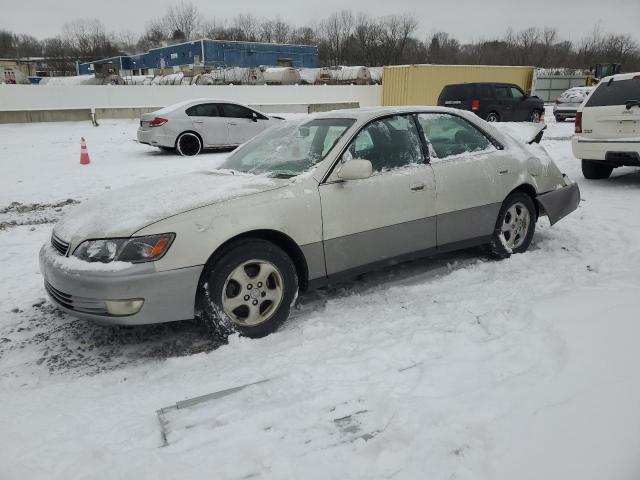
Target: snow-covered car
{"x":567,"y":103}
{"x":192,"y":126}
{"x":305,"y":203}
{"x":607,"y":129}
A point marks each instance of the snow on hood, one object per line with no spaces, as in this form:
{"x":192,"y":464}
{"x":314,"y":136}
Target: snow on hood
{"x":122,"y":212}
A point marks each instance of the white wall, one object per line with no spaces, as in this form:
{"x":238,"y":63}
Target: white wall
{"x":42,"y":97}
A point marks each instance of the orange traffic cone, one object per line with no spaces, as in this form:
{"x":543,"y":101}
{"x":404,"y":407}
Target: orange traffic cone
{"x":84,"y":154}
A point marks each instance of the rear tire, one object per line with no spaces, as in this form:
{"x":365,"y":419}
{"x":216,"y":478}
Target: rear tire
{"x":189,"y":144}
{"x":493,"y":117}
{"x":594,"y":170}
{"x":515,"y":226}
{"x":249,"y":287}
{"x":560,"y":119}
{"x":535,"y":116}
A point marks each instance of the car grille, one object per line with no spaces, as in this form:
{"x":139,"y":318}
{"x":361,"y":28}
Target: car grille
{"x":60,"y":245}
{"x":78,"y":304}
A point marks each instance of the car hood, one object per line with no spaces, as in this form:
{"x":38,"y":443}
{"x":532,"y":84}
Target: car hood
{"x":124,"y":211}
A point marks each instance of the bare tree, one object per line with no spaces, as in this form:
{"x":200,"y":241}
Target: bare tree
{"x":183,"y":18}
{"x":335,"y":31}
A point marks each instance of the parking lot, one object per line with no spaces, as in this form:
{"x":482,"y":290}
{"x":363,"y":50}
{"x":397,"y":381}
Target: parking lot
{"x":469,"y":364}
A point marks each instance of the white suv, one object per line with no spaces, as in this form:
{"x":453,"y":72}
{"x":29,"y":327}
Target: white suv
{"x":607,"y":133}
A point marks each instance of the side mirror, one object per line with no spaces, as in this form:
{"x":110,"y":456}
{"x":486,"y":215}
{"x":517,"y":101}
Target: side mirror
{"x":254,"y":116}
{"x":356,"y":169}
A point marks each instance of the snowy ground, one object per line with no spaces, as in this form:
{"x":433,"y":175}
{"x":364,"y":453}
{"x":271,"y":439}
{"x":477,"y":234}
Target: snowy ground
{"x":454,"y":367}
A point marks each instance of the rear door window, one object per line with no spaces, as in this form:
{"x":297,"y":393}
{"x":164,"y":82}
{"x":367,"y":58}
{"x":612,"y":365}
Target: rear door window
{"x":451,"y":135}
{"x":204,"y":110}
{"x":236,"y":111}
{"x":617,"y":92}
{"x":503,"y":92}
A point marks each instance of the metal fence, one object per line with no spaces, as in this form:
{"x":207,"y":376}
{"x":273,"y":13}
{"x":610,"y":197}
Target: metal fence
{"x":549,"y":87}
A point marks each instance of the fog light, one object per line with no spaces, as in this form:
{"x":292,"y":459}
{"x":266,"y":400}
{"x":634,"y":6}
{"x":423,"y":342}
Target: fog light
{"x":122,"y":308}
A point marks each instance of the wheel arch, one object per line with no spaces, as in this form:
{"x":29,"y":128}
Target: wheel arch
{"x":278,"y":238}
{"x":529,"y":190}
{"x":175,"y":145}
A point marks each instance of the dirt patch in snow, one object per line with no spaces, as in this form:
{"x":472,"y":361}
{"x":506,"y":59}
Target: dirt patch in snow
{"x":63,"y":344}
{"x":16,"y":213}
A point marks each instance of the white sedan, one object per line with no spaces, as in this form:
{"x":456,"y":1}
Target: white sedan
{"x":305,"y":203}
{"x":192,"y":126}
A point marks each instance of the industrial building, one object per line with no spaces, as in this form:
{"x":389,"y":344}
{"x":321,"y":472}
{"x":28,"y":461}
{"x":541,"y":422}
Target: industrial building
{"x":201,"y":55}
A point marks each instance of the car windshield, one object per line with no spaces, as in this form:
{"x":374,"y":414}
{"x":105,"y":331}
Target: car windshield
{"x":289,"y":148}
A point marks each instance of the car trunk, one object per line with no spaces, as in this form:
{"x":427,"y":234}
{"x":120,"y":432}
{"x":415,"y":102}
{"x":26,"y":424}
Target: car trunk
{"x":145,"y":118}
{"x":606,"y":115}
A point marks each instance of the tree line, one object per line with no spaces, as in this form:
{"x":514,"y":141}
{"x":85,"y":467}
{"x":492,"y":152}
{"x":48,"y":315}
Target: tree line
{"x":343,"y":38}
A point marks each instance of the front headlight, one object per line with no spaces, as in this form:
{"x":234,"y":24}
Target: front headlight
{"x":134,"y":250}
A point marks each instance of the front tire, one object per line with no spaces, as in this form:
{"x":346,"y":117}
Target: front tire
{"x":249,"y":287}
{"x":594,"y":170}
{"x":189,"y":144}
{"x":515,"y":226}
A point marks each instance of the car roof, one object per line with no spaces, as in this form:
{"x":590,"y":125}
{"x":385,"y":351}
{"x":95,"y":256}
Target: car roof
{"x":620,"y":76}
{"x":481,"y":83}
{"x":366,"y":113}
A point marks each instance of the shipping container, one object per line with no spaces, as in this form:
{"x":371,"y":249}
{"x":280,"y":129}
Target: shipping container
{"x":422,"y":84}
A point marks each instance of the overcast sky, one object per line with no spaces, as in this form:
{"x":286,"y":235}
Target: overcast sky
{"x":465,"y":19}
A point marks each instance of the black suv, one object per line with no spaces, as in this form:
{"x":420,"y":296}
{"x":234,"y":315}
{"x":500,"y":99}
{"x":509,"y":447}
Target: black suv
{"x":494,"y":102}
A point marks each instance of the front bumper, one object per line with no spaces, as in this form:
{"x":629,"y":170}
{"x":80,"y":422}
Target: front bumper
{"x":167,"y":296}
{"x":559,"y":203}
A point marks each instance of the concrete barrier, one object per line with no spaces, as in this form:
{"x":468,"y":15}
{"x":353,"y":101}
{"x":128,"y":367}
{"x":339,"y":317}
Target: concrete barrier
{"x":39,"y":97}
{"x":61,"y":115}
{"x":80,"y":114}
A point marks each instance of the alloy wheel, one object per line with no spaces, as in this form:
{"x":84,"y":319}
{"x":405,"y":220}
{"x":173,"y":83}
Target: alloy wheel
{"x":252,"y":292}
{"x":515,"y":225}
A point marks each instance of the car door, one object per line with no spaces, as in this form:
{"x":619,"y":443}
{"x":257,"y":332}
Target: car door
{"x":505,"y":103}
{"x":521,"y":108}
{"x":207,"y":120}
{"x":391,"y":213}
{"x":472,"y":175}
{"x":243,"y":123}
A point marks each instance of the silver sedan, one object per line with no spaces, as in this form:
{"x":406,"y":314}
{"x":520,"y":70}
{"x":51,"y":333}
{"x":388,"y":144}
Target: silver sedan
{"x":189,"y":127}
{"x":305,"y":203}
{"x":566,"y":105}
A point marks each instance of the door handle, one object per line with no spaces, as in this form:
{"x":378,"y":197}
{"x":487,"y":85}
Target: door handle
{"x":232,"y":123}
{"x":416,"y":187}
{"x":503,"y":172}
{"x":198,"y":121}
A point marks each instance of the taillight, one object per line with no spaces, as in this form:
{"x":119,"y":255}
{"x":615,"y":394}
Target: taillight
{"x":475,"y":104}
{"x":558,"y":102}
{"x":158,"y":122}
{"x":578,"y":122}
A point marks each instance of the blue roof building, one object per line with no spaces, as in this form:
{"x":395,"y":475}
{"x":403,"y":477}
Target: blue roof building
{"x":211,"y":54}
